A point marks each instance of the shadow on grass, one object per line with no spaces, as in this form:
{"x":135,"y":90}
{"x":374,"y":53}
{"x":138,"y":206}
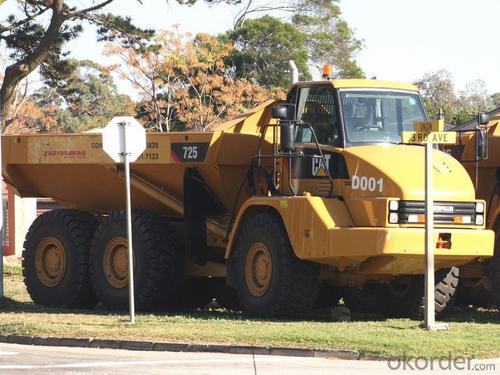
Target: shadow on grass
{"x":471,"y":315}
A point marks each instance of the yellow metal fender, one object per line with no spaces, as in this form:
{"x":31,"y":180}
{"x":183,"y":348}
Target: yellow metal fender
{"x":307,"y":220}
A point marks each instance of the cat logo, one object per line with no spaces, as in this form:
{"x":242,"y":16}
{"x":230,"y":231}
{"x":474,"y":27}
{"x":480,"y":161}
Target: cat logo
{"x":319,"y":169}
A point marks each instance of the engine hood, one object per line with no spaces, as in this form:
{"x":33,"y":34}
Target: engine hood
{"x":399,"y":171}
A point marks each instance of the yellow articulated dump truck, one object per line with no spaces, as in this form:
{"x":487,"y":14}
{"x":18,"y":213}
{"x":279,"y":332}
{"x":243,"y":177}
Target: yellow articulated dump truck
{"x":261,"y":212}
{"x":479,"y":151}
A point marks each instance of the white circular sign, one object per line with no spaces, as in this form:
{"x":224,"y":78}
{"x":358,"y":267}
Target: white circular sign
{"x":124,"y":135}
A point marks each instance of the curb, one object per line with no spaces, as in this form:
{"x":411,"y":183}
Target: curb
{"x":187,"y":347}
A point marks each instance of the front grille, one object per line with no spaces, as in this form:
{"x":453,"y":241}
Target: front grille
{"x":444,"y":212}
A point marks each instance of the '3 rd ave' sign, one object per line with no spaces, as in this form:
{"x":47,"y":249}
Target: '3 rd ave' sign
{"x":429,"y":132}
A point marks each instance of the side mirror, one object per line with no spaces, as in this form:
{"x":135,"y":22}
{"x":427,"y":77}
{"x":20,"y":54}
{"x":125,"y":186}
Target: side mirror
{"x":280,"y":112}
{"x":287,"y":137}
{"x":482,"y":144}
{"x":483,"y":119}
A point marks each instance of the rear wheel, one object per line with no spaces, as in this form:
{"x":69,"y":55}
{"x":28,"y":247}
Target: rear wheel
{"x":156,"y":273}
{"x":404,"y":296}
{"x":270,"y":279}
{"x":55,"y":259}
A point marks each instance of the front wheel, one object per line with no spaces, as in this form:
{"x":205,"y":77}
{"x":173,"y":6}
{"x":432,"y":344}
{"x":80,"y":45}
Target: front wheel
{"x":404,"y":296}
{"x":270,"y":279}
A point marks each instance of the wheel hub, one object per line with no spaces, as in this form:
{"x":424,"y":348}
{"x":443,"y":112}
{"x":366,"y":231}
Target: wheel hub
{"x":50,"y":261}
{"x":116,"y":262}
{"x":258,"y":269}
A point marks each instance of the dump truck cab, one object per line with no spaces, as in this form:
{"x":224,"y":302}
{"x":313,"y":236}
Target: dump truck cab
{"x":351,"y":195}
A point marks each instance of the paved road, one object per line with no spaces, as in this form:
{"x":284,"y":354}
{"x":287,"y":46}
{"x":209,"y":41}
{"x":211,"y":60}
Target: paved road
{"x":24,"y":359}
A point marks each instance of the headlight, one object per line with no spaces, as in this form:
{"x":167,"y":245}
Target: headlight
{"x":393,"y":218}
{"x":479,"y":207}
{"x":393,"y":205}
{"x":479,"y":219}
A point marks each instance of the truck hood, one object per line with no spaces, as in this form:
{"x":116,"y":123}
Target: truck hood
{"x":399,"y":171}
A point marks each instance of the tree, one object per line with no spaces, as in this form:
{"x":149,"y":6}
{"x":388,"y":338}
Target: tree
{"x":153,"y":71}
{"x":495,"y":98}
{"x":86,"y":95}
{"x":262,"y":48}
{"x":438,"y":93}
{"x":209,"y":94}
{"x":81,"y":98}
{"x":185,"y":81}
{"x":33,"y":43}
{"x":329,"y":39}
{"x":326,"y":36}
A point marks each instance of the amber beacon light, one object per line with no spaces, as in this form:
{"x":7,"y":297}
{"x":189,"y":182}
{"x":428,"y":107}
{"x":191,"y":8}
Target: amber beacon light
{"x":327,"y":71}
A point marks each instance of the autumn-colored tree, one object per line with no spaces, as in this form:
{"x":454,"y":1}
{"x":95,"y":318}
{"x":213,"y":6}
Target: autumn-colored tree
{"x":153,"y":72}
{"x":186,"y":80}
{"x":31,"y":118}
{"x":209,"y":93}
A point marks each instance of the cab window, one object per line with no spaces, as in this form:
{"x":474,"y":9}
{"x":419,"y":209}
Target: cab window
{"x":316,"y":107}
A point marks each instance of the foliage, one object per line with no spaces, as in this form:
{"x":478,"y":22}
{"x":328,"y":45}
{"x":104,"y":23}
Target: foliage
{"x":185,"y":81}
{"x":36,"y":36}
{"x":263,"y":47}
{"x":30,"y":117}
{"x":312,"y":32}
{"x":438,"y":93}
{"x":329,"y":40}
{"x":80,"y":98}
{"x":495,"y":99}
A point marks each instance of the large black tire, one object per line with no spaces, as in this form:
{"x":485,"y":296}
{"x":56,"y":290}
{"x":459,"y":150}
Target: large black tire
{"x":361,"y":299}
{"x":56,"y":258}
{"x":404,"y":296}
{"x":269,"y":278}
{"x":156,"y":268}
{"x":494,"y":271}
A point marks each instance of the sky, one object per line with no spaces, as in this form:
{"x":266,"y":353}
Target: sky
{"x":403,"y":39}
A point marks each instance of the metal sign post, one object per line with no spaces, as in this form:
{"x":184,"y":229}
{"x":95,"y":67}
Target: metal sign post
{"x":429,"y":241}
{"x":129,"y":226}
{"x":429,"y":133}
{"x":124,"y":139}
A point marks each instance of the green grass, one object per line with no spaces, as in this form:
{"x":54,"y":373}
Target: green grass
{"x":472,"y":332}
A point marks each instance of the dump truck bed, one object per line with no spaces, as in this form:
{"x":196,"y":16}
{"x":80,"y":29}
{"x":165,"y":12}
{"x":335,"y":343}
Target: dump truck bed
{"x":74,"y":170}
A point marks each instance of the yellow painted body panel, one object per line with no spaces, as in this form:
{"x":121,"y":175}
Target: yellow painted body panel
{"x":321,"y":230}
{"x":402,"y":167}
{"x":350,"y":234}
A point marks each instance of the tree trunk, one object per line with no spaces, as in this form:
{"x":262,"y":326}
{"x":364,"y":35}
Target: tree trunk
{"x":16,"y":72}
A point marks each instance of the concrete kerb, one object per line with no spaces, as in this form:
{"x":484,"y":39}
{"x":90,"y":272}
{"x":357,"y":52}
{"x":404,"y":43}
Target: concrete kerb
{"x":186,"y":347}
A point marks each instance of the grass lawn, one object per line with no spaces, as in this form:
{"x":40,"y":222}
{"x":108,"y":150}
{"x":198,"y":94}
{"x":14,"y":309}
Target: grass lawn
{"x":472,"y":332}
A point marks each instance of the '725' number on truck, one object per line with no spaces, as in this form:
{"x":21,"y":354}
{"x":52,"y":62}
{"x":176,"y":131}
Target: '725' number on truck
{"x":190,"y":152}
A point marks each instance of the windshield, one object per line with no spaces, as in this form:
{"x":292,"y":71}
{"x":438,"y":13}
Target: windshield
{"x":379,"y":116}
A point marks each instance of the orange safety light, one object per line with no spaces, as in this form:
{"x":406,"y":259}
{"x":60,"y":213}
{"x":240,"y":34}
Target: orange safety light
{"x":327,"y":71}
